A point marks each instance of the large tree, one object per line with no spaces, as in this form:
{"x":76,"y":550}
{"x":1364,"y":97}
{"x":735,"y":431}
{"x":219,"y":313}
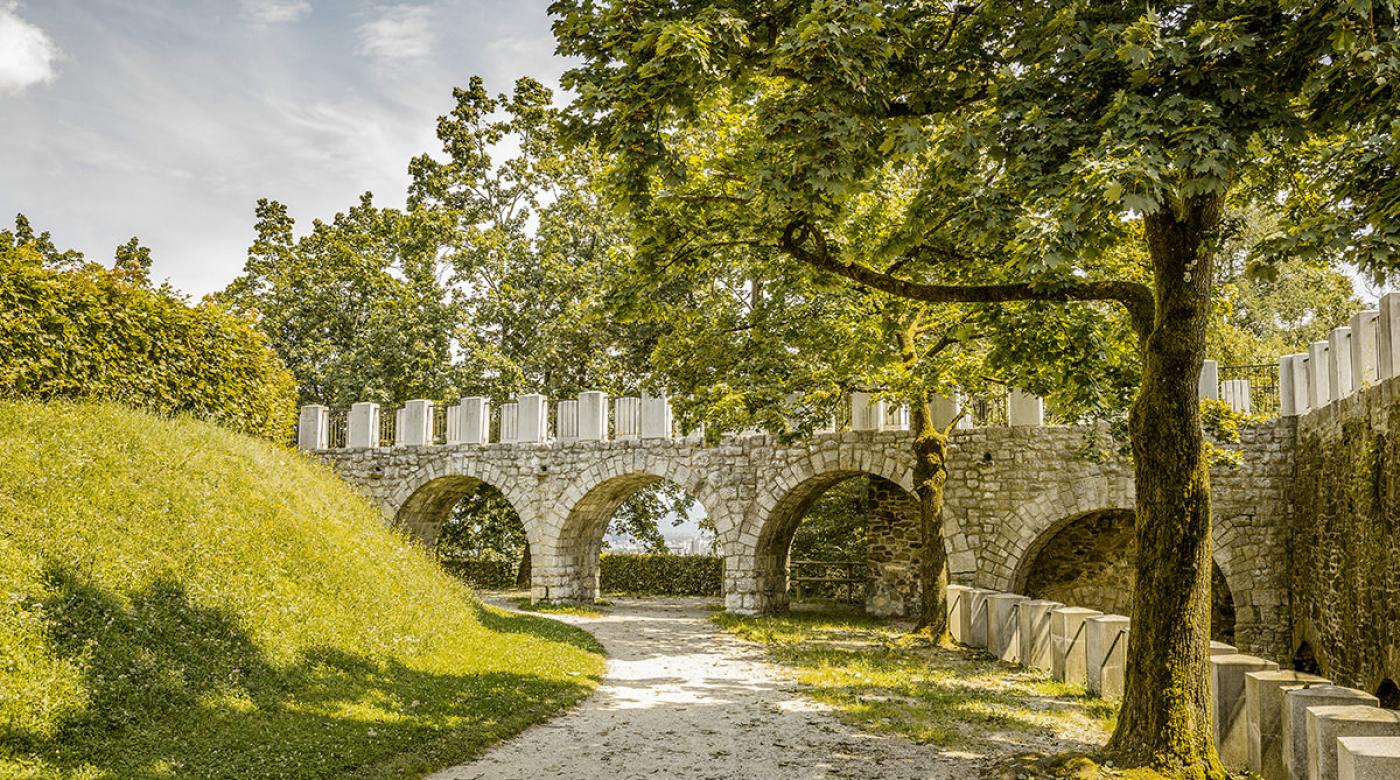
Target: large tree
{"x":1041,"y":135}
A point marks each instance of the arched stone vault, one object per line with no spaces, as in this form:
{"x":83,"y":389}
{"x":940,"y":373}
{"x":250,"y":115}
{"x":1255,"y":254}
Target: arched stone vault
{"x":1006,"y":488}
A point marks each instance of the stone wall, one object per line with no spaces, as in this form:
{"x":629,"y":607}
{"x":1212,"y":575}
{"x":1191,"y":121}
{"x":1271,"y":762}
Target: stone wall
{"x":1346,"y":538}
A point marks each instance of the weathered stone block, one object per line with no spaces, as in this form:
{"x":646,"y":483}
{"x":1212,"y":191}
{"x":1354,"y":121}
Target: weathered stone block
{"x":1067,"y":640}
{"x":313,"y":428}
{"x":1105,"y":651}
{"x":1319,"y":391}
{"x":1024,"y":409}
{"x":1033,"y":624}
{"x":1365,"y":352}
{"x":1295,"y":722}
{"x":1209,"y":381}
{"x":1227,"y":696}
{"x":1339,"y":363}
{"x":1264,"y":701}
{"x":1003,"y":626}
{"x":956,"y":595}
{"x":362,"y":426}
{"x":1368,"y":758}
{"x":1326,"y":724}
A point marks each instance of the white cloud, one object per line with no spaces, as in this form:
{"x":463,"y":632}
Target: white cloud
{"x":275,"y":11}
{"x":401,"y":33}
{"x":27,"y":53}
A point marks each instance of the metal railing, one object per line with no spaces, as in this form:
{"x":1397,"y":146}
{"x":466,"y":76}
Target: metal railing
{"x":988,"y":409}
{"x":337,"y":428}
{"x":1263,"y":385}
{"x":388,"y":426}
{"x":842,"y":581}
{"x":440,"y":422}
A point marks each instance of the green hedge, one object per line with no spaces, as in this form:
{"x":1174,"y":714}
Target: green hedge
{"x":92,"y":333}
{"x":483,"y":575}
{"x":660,"y":574}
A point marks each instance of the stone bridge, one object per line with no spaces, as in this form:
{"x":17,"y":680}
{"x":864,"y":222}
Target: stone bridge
{"x":1012,"y":492}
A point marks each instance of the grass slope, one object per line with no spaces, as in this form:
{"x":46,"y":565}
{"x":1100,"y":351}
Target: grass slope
{"x":177,"y":600}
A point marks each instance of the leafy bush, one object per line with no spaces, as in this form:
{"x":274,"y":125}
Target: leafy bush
{"x":661,"y":574}
{"x":178,"y":600}
{"x":483,"y":574}
{"x":93,"y":333}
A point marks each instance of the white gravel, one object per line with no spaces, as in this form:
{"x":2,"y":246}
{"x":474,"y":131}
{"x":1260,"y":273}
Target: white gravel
{"x":681,"y":699}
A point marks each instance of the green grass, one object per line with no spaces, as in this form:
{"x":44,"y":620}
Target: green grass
{"x":179,"y":600}
{"x":594,"y":610}
{"x":878,"y":678}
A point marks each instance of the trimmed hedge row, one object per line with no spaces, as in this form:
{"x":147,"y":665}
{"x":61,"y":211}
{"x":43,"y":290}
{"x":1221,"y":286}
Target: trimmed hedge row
{"x":483,"y":575}
{"x":661,"y":574}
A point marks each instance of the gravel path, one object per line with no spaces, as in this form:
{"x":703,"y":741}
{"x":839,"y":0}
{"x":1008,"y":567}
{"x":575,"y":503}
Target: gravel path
{"x":681,"y":699}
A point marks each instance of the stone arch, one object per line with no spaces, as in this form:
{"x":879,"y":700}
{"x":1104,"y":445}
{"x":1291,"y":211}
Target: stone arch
{"x":423,"y":501}
{"x":587,"y":506}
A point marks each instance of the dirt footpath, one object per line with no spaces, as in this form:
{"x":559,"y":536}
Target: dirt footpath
{"x":681,"y":699}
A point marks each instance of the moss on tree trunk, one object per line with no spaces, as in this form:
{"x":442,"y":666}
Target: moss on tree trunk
{"x":1165,"y":718}
{"x":930,"y":475}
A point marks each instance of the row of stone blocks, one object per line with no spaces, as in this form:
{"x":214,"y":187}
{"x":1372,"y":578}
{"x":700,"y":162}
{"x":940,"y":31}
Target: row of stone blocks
{"x":1283,"y":725}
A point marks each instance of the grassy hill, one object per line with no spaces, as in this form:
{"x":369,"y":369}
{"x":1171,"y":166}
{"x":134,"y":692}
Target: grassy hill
{"x":177,"y":600}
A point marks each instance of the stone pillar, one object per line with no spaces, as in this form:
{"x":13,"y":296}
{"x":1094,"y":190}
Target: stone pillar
{"x":510,"y":423}
{"x":1339,"y":363}
{"x":946,"y":408}
{"x":1003,"y":629}
{"x":593,"y":416}
{"x":362,"y":426}
{"x":627,"y":418}
{"x":1327,"y":724}
{"x":1365,"y":354}
{"x":867,"y":412}
{"x":1024,"y":409}
{"x":566,"y":421}
{"x":1033,"y":624}
{"x":313,"y":428}
{"x":1228,"y":705}
{"x":1105,"y":651}
{"x":656,"y":417}
{"x":1263,"y":702}
{"x":1208,"y":384}
{"x":1319,"y":391}
{"x":1302,"y":396}
{"x":532,"y":418}
{"x":1286,"y":405}
{"x":956,"y":596}
{"x":1067,"y":642}
{"x":1388,"y":336}
{"x":1295,"y":723}
{"x":1368,"y":758}
{"x":415,"y":425}
{"x":474,"y":420}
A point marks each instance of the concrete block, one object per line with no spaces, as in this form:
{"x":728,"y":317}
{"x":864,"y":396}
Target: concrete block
{"x":1327,"y":724}
{"x":946,"y":408}
{"x":1105,"y":651}
{"x":956,"y":595}
{"x":566,"y":421}
{"x":1024,"y":409}
{"x":656,"y":417}
{"x":1368,"y":758}
{"x":1068,"y":660}
{"x":593,"y":416}
{"x":362,"y":426}
{"x":1227,"y":697}
{"x":1339,"y":362}
{"x":510,"y":423}
{"x":1295,"y":724}
{"x":1319,"y":391}
{"x":1365,"y":354}
{"x":313,"y":428}
{"x":1033,"y":624}
{"x":532,"y":418}
{"x":1220,"y":648}
{"x":867,"y":412}
{"x":1286,"y":405}
{"x":415,"y":426}
{"x":974,"y":617}
{"x":1208,"y":385}
{"x":1264,"y":700}
{"x":1302,"y":397}
{"x":1003,"y":626}
{"x":1388,"y":336}
{"x":627,"y":418}
{"x":474,"y":420}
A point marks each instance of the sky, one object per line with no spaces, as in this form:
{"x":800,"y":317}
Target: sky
{"x":168,"y":119}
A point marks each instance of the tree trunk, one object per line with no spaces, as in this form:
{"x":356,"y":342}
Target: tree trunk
{"x":930,"y":474}
{"x":522,"y":575}
{"x":1165,"y":719}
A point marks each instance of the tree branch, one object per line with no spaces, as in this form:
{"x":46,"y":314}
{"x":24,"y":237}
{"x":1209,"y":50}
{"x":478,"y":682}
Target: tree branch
{"x":1136,"y":298}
